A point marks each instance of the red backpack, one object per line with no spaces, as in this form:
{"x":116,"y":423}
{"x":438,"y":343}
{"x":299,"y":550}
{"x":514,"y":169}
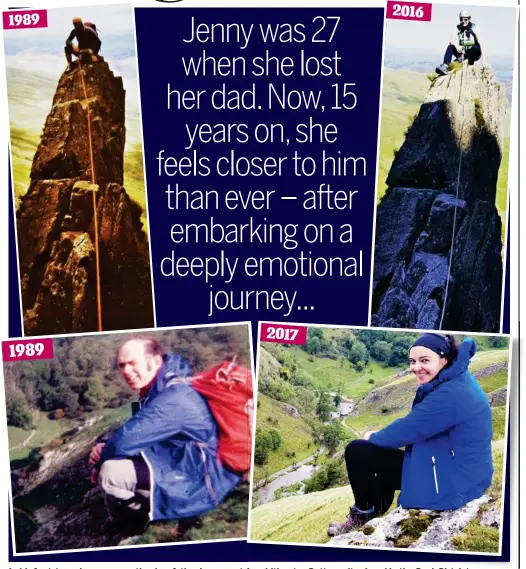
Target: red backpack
{"x":228,"y":391}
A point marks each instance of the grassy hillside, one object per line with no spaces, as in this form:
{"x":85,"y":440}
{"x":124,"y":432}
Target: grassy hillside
{"x":486,"y":358}
{"x":370,"y":422}
{"x":305,"y":518}
{"x":45,"y":431}
{"x":329,"y":374}
{"x":393,"y":399}
{"x":402,"y":95}
{"x":296,"y":436}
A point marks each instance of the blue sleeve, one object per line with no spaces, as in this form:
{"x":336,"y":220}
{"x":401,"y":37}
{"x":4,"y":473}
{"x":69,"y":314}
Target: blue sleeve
{"x":172,"y":412}
{"x":435,"y":414}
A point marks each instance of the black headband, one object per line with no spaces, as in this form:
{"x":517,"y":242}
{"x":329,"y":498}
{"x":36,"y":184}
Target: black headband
{"x":434,"y":342}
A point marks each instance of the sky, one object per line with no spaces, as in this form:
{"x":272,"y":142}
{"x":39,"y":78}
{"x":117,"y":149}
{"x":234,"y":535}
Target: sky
{"x":496,"y":24}
{"x":41,"y":50}
{"x":113,"y":19}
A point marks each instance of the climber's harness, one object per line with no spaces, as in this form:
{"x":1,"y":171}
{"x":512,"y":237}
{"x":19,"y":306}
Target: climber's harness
{"x":467,"y":36}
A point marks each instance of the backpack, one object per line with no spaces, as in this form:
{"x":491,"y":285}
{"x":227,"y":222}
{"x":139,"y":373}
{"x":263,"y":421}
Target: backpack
{"x":227,"y":389}
{"x":92,"y":27}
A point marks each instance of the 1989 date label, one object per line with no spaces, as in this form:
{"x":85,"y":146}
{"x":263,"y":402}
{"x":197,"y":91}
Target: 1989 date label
{"x":17,"y":350}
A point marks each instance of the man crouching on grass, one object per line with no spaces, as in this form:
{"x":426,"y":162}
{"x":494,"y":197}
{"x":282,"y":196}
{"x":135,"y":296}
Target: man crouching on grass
{"x":162,"y":463}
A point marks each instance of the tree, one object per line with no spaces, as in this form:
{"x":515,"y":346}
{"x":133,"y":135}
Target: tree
{"x":313,"y":345}
{"x":262,"y":447}
{"x":302,"y":378}
{"x":275,"y":438}
{"x":285,"y":373}
{"x":381,"y":351}
{"x":333,"y":435}
{"x":359,"y":366}
{"x":400,"y":349}
{"x":359,"y":353}
{"x":323,"y":409}
{"x":18,"y":411}
{"x":279,"y":389}
{"x":332,"y":473}
{"x":497,"y":341}
{"x":337,"y":400}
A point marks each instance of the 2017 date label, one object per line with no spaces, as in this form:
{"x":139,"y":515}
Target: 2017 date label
{"x":283,"y":334}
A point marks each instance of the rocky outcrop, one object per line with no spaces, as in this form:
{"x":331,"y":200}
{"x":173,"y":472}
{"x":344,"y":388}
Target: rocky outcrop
{"x":499,"y":397}
{"x":438,"y":233}
{"x":490,"y":370}
{"x":391,"y":398}
{"x":55,"y":220}
{"x":420,"y":529}
{"x":290,"y":410}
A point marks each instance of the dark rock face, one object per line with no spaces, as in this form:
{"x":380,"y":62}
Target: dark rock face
{"x":438,"y":246}
{"x":56,"y":243}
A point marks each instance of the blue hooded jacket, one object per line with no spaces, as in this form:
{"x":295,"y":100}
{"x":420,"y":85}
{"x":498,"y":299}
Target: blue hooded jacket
{"x":177,"y":435}
{"x":447,"y":438}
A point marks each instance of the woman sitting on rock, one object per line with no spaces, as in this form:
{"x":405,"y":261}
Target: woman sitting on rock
{"x":447,"y":460}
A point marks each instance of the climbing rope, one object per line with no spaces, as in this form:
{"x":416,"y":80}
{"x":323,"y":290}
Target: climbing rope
{"x":461,"y":153}
{"x":95,"y":220}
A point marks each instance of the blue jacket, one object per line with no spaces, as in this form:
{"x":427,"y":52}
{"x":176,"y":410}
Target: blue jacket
{"x":177,"y":435}
{"x":447,"y":438}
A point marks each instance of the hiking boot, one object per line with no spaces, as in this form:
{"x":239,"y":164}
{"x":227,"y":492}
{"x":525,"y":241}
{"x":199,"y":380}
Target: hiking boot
{"x":442,"y":69}
{"x":354,"y":520}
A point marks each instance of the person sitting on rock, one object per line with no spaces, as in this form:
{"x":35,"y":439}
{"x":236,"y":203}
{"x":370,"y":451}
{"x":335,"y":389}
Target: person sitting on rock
{"x":465,"y":43}
{"x":87,"y":39}
{"x":447,"y":435}
{"x":162,"y":463}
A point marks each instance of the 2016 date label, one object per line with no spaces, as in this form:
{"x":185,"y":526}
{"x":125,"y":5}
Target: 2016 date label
{"x":418,"y":11}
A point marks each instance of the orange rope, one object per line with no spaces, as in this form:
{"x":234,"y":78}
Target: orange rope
{"x":95,"y":220}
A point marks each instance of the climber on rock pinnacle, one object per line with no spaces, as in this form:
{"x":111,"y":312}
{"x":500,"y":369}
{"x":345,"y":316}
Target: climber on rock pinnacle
{"x":87,"y":39}
{"x":465,"y":43}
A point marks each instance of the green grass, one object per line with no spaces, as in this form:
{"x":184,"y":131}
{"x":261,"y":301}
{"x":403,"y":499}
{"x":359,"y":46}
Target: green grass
{"x":478,"y":538}
{"x":48,"y":429}
{"x":486,"y":358}
{"x":30,"y":96}
{"x":498,"y":422}
{"x":502,"y":185}
{"x":227,"y":521}
{"x":305,"y":518}
{"x":330,"y":374}
{"x":403,"y":93}
{"x":494,"y":381}
{"x":370,"y":422}
{"x":475,"y":537}
{"x":296,"y":436}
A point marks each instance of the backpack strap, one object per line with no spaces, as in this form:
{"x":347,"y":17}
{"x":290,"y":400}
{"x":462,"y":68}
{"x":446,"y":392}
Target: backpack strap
{"x":208,"y":480}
